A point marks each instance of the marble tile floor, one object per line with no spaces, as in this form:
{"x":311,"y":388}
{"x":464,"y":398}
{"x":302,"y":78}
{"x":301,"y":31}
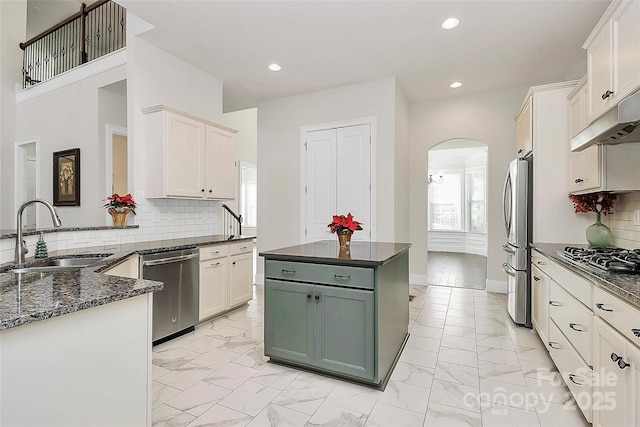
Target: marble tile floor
{"x":460,"y":270}
{"x":465,"y":364}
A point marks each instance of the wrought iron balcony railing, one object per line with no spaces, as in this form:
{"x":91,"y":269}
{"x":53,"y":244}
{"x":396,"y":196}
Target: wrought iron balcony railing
{"x":94,"y":31}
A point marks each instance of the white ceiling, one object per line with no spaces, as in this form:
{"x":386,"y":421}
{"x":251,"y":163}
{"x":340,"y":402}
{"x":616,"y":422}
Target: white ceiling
{"x":324,"y":44}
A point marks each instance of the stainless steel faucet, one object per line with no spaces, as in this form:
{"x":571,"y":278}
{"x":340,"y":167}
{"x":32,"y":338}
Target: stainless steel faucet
{"x":21,"y":246}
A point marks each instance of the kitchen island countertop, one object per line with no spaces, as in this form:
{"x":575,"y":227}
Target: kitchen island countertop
{"x":363,"y":254}
{"x":31,"y":297}
{"x":626,"y":286}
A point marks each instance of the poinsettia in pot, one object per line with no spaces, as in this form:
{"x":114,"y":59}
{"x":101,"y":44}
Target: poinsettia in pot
{"x":119,"y":207}
{"x":344,"y":226}
{"x":598,"y":234}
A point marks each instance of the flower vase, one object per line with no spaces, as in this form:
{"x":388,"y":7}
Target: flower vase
{"x":598,"y":234}
{"x":119,"y":216}
{"x":344,"y":238}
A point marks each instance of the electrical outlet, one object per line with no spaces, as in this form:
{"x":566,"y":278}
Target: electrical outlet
{"x":636,"y":217}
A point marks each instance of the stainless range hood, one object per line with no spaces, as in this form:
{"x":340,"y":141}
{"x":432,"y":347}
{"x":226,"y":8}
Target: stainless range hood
{"x":618,"y":125}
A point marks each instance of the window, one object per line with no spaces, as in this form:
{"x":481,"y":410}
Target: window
{"x":457,"y":200}
{"x":248,"y":197}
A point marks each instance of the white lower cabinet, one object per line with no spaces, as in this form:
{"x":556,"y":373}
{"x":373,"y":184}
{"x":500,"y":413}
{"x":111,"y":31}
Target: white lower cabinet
{"x":540,"y":301}
{"x":617,"y":363}
{"x":226,"y":277}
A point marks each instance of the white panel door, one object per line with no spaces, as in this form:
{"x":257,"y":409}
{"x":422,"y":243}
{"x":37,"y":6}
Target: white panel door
{"x":320,"y":182}
{"x":354,"y":176}
{"x":338,"y":179}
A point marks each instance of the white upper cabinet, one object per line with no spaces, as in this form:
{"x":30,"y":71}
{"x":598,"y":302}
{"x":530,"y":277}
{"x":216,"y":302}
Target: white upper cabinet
{"x":613,"y":57}
{"x":187,"y":156}
{"x":524,"y":129}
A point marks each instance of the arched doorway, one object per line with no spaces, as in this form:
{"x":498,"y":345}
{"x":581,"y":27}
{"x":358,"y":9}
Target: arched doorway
{"x":457,"y":214}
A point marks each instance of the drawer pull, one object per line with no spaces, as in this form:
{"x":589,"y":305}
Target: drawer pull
{"x":554,"y":303}
{"x":215,"y":252}
{"x":288,"y":271}
{"x":555,"y":345}
{"x":536,"y":278}
{"x":541,"y":263}
{"x":243,"y":247}
{"x":342,"y":276}
{"x":572,"y":378}
{"x":618,"y":359}
{"x":215,"y":264}
{"x":573,"y":326}
{"x":600,"y":306}
{"x":308,"y":296}
{"x":636,"y":332}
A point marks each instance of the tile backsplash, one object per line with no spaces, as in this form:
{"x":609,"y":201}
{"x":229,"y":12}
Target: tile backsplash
{"x":621,"y":222}
{"x":158,"y":219}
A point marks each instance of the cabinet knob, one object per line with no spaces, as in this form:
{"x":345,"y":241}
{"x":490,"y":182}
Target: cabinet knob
{"x":536,"y":278}
{"x":618,"y":359}
{"x":520,"y":151}
{"x":636,"y":332}
{"x":202,"y":190}
{"x":308,"y":296}
{"x":600,"y":306}
{"x":234,"y":263}
{"x":210,"y":191}
{"x":317,"y":297}
{"x":578,"y":180}
{"x":607,"y":94}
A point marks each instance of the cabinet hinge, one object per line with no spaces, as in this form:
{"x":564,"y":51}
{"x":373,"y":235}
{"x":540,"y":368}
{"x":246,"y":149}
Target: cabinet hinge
{"x":305,"y":189}
{"x":305,"y":146}
{"x":305,"y":231}
{"x":369,"y":187}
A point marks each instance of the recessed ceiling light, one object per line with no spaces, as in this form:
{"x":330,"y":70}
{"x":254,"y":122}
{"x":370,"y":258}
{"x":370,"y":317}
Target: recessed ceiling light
{"x":450,"y":23}
{"x":275,"y":67}
{"x":455,"y":85}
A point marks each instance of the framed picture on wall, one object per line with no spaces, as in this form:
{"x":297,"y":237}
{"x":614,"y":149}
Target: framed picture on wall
{"x":66,"y":177}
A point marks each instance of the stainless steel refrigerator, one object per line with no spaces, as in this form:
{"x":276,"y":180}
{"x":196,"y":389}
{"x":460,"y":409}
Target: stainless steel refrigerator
{"x":517,"y":210}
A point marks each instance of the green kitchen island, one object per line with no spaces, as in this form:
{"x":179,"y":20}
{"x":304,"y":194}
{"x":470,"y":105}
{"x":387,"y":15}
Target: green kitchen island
{"x":344,"y":314}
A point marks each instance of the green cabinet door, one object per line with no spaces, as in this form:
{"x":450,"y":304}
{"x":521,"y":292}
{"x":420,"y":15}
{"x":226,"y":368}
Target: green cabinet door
{"x":344,"y":327}
{"x":288,"y":329}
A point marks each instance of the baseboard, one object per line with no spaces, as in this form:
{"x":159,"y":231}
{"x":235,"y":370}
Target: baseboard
{"x":418,"y":279}
{"x":499,"y":286}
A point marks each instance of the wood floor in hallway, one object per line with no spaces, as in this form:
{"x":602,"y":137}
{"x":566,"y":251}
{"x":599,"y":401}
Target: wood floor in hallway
{"x":458,"y":270}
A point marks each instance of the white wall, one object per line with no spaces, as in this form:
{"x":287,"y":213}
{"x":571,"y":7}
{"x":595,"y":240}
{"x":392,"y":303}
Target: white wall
{"x":279,"y":123}
{"x":246,"y":122}
{"x":71,"y":117}
{"x":13,"y":23}
{"x":401,"y":193}
{"x":486,"y":117}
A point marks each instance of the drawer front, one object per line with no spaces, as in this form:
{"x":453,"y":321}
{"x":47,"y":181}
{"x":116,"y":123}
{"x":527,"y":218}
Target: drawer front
{"x":573,"y":319}
{"x":215,"y":251}
{"x":353,"y":277}
{"x":575,"y":373}
{"x":241,"y":247}
{"x":539,"y":260}
{"x":619,"y":314}
{"x":577,"y":286}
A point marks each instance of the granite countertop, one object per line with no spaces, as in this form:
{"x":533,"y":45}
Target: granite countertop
{"x":626,"y":286}
{"x":363,"y":254}
{"x":31,"y":297}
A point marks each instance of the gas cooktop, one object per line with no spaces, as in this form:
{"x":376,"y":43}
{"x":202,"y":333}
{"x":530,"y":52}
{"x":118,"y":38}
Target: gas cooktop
{"x":613,"y":260}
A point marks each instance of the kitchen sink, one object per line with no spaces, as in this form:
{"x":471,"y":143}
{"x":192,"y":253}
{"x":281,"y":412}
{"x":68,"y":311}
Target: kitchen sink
{"x":61,"y":264}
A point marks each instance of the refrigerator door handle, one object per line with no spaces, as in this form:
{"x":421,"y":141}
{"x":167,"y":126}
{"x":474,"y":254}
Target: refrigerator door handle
{"x":508,"y":249}
{"x":508,"y":269}
{"x":506,"y":210}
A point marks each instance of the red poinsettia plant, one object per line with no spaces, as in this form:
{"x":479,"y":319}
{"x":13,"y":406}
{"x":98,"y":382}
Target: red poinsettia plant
{"x":600,"y":203}
{"x":120,"y":203}
{"x":342,"y":223}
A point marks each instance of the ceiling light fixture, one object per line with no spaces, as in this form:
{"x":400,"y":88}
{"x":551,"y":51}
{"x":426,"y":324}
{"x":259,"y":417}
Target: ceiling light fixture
{"x":275,"y":67}
{"x":455,"y":85}
{"x":450,"y":23}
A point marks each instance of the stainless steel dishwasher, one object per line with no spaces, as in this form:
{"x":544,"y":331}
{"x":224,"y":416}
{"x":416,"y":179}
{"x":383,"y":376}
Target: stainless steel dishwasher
{"x":175,"y":307}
